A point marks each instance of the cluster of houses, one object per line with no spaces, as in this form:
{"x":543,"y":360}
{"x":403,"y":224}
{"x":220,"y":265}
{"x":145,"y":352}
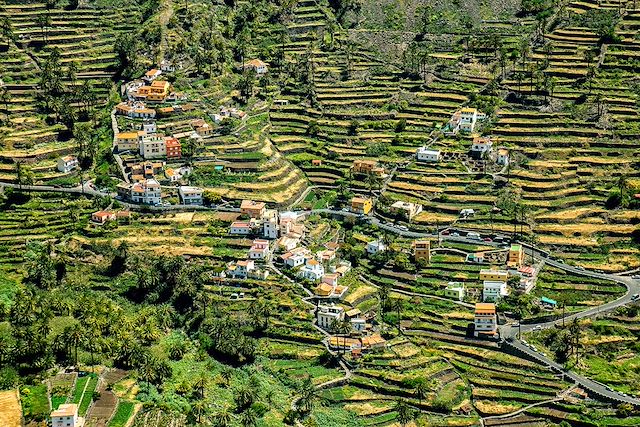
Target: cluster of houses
{"x":481,"y":147}
{"x":495,"y":281}
{"x":368,"y":167}
{"x":149,"y":192}
{"x":464,"y":120}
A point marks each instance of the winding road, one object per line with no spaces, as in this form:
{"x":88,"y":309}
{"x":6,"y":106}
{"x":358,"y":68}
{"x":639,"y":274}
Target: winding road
{"x":507,"y":332}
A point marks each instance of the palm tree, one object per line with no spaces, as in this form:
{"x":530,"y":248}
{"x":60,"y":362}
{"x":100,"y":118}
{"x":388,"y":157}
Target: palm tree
{"x":249,"y":418}
{"x":222,"y":418}
{"x":383,"y":296}
{"x":405,"y":413}
{"x":75,"y":337}
{"x":226,"y":374}
{"x":422,"y":389}
{"x":199,"y":408}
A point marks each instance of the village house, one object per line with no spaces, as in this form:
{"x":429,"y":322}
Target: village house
{"x":129,"y":141}
{"x":367,"y":167}
{"x":357,"y":345}
{"x":326,"y":255}
{"x":424,"y":154}
{"x":146,"y":192}
{"x":328,"y":315}
{"x":102,"y":217}
{"x":165,"y":111}
{"x":485,"y":320}
{"x":375,"y":247}
{"x":342,"y":268}
{"x":169,"y":66}
{"x":67,"y":163}
{"x":329,"y":288}
{"x":253,"y":209}
{"x":316,"y":162}
{"x":149,"y":126}
{"x":289,"y":241}
{"x":494,"y":275}
{"x":240,"y":227}
{"x":503,"y":157}
{"x":241,"y":269}
{"x":361,"y":205}
{"x":270,"y":227}
{"x":454,"y":290}
{"x":190,"y":195}
{"x":156,"y":92}
{"x":147,"y":169}
{"x":201,"y":127}
{"x":151,"y":75}
{"x":515,"y":258}
{"x":481,"y":145}
{"x":171,"y":175}
{"x":406,"y":209}
{"x":152,"y":147}
{"x":464,"y":120}
{"x":312,"y":270}
{"x":422,"y":250}
{"x":173,"y":148}
{"x":257,"y":65}
{"x":296,"y":257}
{"x":66,"y":416}
{"x":493,"y":290}
{"x":259,"y":249}
{"x":135,"y":110}
{"x":476,"y":258}
{"x":469,"y":117}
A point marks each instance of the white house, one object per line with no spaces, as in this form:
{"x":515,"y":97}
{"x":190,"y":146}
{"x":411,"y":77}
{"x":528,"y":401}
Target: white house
{"x":454,"y":290}
{"x":467,"y":212}
{"x":169,"y":66}
{"x":425,"y":154}
{"x":152,"y":74}
{"x":67,"y":163}
{"x":66,"y":416}
{"x":358,"y":324}
{"x":259,"y":249}
{"x":190,"y":195}
{"x":153,"y":146}
{"x":293,"y":259}
{"x":375,"y":246}
{"x":406,"y":209}
{"x":241,"y":269}
{"x":502,"y":157}
{"x":149,"y":127}
{"x":481,"y":145}
{"x":312,"y":270}
{"x":469,"y":118}
{"x":270,"y":228}
{"x":493,"y":290}
{"x":240,"y":227}
{"x":485,"y":320}
{"x":147,"y":192}
{"x":257,"y":65}
{"x":328,"y":314}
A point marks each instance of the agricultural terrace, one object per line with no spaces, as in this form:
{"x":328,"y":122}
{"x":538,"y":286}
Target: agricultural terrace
{"x":36,"y":130}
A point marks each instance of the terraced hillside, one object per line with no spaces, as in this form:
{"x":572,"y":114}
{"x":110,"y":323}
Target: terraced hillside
{"x":565,"y":107}
{"x":85,"y":38}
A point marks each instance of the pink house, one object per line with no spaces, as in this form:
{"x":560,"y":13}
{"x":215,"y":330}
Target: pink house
{"x":259,"y":249}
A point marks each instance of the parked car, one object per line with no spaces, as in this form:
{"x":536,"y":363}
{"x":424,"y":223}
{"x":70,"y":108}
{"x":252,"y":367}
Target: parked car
{"x":635,"y":297}
{"x":473,"y":235}
{"x":487,"y":239}
{"x":445,"y":232}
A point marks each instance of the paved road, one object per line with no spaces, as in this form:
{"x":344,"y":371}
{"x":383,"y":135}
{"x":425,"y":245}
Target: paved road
{"x":508,"y":332}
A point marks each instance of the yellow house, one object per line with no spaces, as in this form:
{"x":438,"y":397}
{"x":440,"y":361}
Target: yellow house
{"x":422,"y":250}
{"x":494,"y":275}
{"x":516,"y":256}
{"x":129,"y":140}
{"x":156,"y":92}
{"x":361,"y":205}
